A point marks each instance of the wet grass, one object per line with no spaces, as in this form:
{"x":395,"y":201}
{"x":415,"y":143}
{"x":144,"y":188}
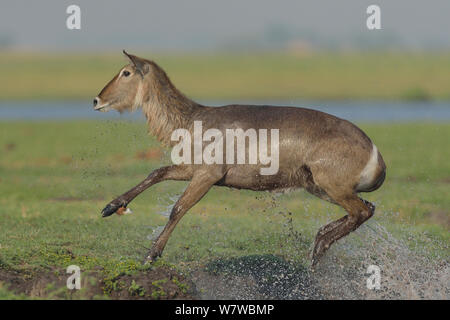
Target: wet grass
{"x":406,"y":76}
{"x":55,"y":177}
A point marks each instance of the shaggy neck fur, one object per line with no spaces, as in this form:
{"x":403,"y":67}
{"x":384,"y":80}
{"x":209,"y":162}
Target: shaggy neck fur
{"x":165,"y":108}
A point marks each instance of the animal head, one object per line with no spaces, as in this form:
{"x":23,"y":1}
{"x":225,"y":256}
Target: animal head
{"x":126,"y":91}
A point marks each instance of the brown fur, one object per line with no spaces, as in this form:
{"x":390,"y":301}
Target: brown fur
{"x":318,"y":152}
{"x":166,"y":109}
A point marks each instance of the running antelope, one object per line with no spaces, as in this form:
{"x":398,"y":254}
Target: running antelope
{"x":329,"y":157}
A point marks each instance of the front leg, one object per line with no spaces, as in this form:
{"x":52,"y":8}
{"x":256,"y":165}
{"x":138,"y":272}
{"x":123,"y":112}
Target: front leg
{"x":158,"y":175}
{"x":201,"y":182}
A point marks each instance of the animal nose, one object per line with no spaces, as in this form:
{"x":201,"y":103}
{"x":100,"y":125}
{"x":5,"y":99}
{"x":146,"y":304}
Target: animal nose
{"x":95,"y":101}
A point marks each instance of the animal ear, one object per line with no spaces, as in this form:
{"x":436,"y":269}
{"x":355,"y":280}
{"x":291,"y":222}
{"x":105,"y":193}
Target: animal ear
{"x":141,"y":65}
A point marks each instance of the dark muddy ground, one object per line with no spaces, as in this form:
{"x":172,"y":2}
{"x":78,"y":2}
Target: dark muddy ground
{"x":341,"y":274}
{"x":250,"y":277}
{"x":256,"y":277}
{"x":158,"y":283}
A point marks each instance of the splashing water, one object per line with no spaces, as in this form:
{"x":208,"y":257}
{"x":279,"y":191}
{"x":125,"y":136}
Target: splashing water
{"x":155,"y":233}
{"x":408,"y":269}
{"x":168,"y":203}
{"x":404,"y":273}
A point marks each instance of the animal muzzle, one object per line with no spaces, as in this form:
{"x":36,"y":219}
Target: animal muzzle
{"x":99,"y":105}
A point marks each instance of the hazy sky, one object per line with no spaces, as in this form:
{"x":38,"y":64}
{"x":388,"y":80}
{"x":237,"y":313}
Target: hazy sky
{"x":192,"y":24}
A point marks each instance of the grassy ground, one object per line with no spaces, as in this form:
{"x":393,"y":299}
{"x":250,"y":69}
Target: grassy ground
{"x":237,"y":76}
{"x":55,"y":177}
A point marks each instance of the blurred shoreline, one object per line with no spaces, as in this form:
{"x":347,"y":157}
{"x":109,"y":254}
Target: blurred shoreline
{"x":255,"y":76}
{"x":359,"y":111}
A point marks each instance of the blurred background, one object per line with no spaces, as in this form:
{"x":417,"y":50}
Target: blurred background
{"x":61,"y":162}
{"x":221,"y":52}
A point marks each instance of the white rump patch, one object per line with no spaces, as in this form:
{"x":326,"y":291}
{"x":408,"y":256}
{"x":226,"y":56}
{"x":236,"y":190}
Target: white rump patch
{"x":368,"y":173}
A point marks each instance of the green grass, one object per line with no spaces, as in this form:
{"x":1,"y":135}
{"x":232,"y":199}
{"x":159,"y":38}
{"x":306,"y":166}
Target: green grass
{"x":55,"y":177}
{"x":410,"y":76}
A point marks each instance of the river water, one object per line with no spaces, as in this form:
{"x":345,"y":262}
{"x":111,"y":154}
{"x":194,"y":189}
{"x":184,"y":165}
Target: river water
{"x":360,"y":111}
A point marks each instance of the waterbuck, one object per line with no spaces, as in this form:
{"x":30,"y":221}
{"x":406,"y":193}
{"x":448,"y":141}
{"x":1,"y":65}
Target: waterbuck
{"x":329,"y":157}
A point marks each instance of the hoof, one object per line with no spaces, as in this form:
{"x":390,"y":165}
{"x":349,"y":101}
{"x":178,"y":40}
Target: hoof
{"x":112,"y":208}
{"x":153,"y":256}
{"x":318,"y":251}
{"x":314,"y":261}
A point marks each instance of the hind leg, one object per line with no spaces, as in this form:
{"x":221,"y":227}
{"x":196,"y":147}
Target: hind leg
{"x":358,"y":210}
{"x":324,"y":229}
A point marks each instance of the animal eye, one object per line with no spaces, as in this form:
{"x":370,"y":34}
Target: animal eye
{"x":126,"y":73}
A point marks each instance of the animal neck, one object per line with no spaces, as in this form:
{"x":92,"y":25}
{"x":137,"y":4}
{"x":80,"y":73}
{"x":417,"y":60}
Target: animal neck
{"x":166,"y":108}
